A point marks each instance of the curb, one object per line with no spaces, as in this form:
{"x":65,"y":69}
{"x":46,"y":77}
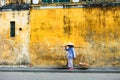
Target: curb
{"x":59,"y":70}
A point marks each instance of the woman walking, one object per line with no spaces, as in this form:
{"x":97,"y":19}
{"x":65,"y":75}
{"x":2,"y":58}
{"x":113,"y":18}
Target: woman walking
{"x":71,"y":55}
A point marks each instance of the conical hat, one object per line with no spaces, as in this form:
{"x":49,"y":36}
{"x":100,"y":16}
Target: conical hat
{"x":70,"y":43}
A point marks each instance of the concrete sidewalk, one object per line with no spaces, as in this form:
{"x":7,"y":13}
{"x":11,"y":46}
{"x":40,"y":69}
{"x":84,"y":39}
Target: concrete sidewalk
{"x":58,"y":69}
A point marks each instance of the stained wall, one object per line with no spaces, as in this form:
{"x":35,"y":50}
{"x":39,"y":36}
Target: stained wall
{"x":14,"y":50}
{"x":94,"y":31}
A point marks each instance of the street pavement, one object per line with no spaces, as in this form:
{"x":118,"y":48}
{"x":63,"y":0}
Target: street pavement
{"x":57,"y":73}
{"x":58,"y":76}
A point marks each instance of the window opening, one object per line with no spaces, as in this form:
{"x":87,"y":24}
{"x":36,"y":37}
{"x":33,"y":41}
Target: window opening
{"x":12,"y":29}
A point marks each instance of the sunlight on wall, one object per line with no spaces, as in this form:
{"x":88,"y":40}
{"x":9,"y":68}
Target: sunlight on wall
{"x":14,"y":50}
{"x":94,"y":30}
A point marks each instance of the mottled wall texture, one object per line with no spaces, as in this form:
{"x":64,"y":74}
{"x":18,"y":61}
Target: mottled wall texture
{"x":14,"y":49}
{"x":40,"y":35}
{"x":94,"y":31}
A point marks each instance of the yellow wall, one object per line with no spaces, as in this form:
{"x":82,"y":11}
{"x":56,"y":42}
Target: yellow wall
{"x":95,"y":29}
{"x":14,"y":50}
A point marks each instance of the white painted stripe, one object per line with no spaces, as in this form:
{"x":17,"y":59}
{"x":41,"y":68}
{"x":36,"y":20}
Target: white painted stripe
{"x":53,"y":7}
{"x":49,"y":7}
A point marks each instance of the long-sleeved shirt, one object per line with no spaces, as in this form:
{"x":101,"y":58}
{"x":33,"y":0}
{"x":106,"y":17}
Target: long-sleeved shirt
{"x":71,"y":53}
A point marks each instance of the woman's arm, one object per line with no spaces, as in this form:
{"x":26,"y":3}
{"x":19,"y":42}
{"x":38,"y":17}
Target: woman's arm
{"x":66,"y":48}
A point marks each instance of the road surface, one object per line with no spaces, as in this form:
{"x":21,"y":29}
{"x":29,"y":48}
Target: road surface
{"x":58,"y":76}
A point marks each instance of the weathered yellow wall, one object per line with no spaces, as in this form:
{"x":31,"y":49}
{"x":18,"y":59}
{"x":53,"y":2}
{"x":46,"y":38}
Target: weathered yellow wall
{"x":95,"y":29}
{"x":14,"y":50}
